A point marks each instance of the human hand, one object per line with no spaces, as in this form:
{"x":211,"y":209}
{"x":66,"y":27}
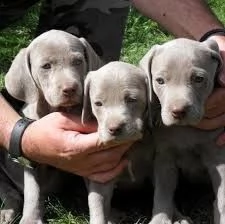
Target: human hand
{"x":60,"y":140}
{"x":215,"y":106}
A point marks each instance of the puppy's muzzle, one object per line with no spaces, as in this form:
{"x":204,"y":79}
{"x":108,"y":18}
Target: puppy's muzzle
{"x":180,"y":113}
{"x":116,"y":129}
{"x":69,"y":90}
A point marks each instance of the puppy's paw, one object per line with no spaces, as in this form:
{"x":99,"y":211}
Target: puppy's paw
{"x":161,"y":219}
{"x":180,"y":218}
{"x":7,"y":216}
{"x":30,"y":220}
{"x":184,"y":221}
{"x":116,"y":216}
{"x":111,"y":222}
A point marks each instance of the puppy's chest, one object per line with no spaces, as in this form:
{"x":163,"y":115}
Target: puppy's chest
{"x":140,"y":158}
{"x":186,"y":146}
{"x":190,"y":164}
{"x":184,"y":139}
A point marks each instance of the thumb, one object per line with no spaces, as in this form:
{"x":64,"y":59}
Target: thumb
{"x":73,"y":123}
{"x":221,"y":77}
{"x":221,"y":140}
{"x":78,"y":143}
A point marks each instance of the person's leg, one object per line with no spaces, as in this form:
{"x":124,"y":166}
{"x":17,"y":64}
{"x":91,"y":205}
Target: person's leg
{"x":101,"y":22}
{"x":11,"y":11}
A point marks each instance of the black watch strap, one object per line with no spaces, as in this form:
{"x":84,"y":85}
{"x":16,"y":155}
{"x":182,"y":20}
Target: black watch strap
{"x":15,"y":150}
{"x":213,"y":32}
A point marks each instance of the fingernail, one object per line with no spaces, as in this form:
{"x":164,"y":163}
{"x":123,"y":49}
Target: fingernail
{"x":222,"y":80}
{"x":220,"y":141}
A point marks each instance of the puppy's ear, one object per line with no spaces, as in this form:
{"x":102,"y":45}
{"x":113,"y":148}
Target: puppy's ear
{"x":215,"y":52}
{"x":93,"y":60}
{"x":19,"y":81}
{"x":211,"y":44}
{"x":145,"y":64}
{"x":86,"y":110}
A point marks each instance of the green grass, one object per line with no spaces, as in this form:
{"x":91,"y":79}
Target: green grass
{"x":59,"y":215}
{"x":16,"y":37}
{"x":140,"y":35}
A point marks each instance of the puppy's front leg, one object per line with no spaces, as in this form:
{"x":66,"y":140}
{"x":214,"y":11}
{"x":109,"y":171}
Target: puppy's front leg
{"x":165,"y":181}
{"x":33,"y":203}
{"x":99,"y":201}
{"x":11,"y":198}
{"x":216,"y":168}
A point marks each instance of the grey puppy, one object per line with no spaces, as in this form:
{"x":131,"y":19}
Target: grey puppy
{"x":49,"y":76}
{"x":117,"y":96}
{"x":182,"y":73}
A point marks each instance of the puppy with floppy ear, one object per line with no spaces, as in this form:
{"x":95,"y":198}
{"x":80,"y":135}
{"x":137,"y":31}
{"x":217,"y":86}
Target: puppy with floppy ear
{"x":22,"y":81}
{"x":19,"y":82}
{"x":183,"y":74}
{"x":93,"y":60}
{"x":49,"y":76}
{"x":87,"y":114}
{"x":146,"y":64}
{"x":116,"y":94}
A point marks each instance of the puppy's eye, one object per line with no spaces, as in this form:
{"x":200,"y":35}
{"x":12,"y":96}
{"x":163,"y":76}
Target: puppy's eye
{"x":129,"y":99}
{"x":98,"y":103}
{"x":160,"y":81}
{"x":46,"y":66}
{"x":77,"y":61}
{"x":197,"y":79}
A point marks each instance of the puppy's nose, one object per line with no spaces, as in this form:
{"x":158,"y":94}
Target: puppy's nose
{"x":115,"y":129}
{"x":69,"y":90}
{"x":179,"y":113}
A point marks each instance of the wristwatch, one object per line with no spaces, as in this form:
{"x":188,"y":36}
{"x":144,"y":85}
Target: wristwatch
{"x":15,"y":150}
{"x":213,"y":32}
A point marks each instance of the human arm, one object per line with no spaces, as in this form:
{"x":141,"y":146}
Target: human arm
{"x":8,"y":118}
{"x":57,"y":140}
{"x":186,"y":18}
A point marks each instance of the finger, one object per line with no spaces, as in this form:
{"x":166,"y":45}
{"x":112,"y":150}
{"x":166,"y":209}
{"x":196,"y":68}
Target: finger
{"x":77,"y":143}
{"x":73,"y":122}
{"x":107,"y":165}
{"x":104,"y":177}
{"x":108,"y":155}
{"x":101,"y":161}
{"x":211,"y":124}
{"x":215,"y":112}
{"x":221,"y":139}
{"x":122,"y":148}
{"x":214,"y":105}
{"x":113,"y":143}
{"x":75,"y":146}
{"x":101,"y":168}
{"x":221,"y":77}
